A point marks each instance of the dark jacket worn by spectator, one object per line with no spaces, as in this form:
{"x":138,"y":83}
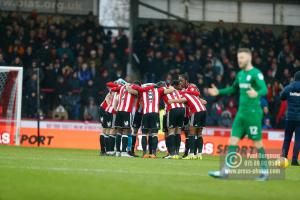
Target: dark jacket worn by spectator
{"x":291,"y":93}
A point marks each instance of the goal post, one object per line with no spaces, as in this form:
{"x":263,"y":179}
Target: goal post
{"x":11,"y":81}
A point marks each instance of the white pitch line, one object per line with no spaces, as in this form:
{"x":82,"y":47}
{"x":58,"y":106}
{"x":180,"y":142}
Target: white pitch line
{"x":173,"y":162}
{"x":89,"y":170}
{"x":9,"y":157}
{"x":119,"y":171}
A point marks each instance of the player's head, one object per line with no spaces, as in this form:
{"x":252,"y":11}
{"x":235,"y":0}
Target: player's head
{"x":137,"y":83}
{"x":176,"y":84}
{"x":161,"y":84}
{"x":147,"y":84}
{"x":297,"y":76}
{"x":120,"y":81}
{"x":244,"y":56}
{"x":183,"y":80}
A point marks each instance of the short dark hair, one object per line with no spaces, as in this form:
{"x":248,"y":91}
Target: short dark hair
{"x":244,"y":50}
{"x":161,"y":84}
{"x":137,"y":82}
{"x":297,"y":76}
{"x":184,"y":76}
{"x":175,"y":83}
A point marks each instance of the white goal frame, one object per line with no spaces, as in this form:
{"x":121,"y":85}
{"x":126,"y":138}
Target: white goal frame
{"x":18,"y":110}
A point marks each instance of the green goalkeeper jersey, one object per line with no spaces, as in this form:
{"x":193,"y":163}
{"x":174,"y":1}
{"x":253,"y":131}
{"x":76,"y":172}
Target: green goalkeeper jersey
{"x":243,"y":81}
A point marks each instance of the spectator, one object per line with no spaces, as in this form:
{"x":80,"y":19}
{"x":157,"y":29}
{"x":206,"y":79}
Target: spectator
{"x":71,"y":102}
{"x":225,"y":120}
{"x":232,"y":108}
{"x":216,"y":112}
{"x":267,"y":124}
{"x":60,"y":113}
{"x":70,"y":51}
{"x":65,"y":52}
{"x":31,"y":85}
{"x":61,"y":88}
{"x":90,"y":91}
{"x":84,"y":74}
{"x":50,"y":77}
{"x":95,"y":60}
{"x":112,"y":63}
{"x":2,"y":61}
{"x":90,"y":111}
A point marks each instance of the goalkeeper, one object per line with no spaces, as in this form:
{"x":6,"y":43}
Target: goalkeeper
{"x":248,"y":121}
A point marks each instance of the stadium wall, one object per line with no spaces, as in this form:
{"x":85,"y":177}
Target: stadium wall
{"x":246,"y":11}
{"x":81,"y":135}
{"x":65,"y":7}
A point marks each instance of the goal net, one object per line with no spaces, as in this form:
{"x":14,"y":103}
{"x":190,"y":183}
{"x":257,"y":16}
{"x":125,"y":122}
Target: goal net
{"x":10,"y":104}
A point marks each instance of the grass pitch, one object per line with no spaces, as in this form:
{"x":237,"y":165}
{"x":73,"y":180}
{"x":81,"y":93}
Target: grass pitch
{"x":41,"y":173}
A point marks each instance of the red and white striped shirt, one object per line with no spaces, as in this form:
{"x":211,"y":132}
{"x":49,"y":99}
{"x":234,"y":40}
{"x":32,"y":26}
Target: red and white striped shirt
{"x":173,"y":95}
{"x":187,"y":112}
{"x":138,"y":107}
{"x":151,"y":100}
{"x":110,"y":107}
{"x":126,"y":100}
{"x":104,"y":104}
{"x":194,"y":103}
{"x":192,"y":88}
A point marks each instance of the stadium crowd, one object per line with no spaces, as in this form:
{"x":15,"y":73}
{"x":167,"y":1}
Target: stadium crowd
{"x":209,"y":57}
{"x":76,"y":57}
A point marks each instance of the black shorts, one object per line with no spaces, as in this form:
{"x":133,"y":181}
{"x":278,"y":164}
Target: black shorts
{"x":186,"y":123}
{"x":109,"y":120}
{"x":137,"y":120}
{"x":198,"y":119}
{"x":102,"y":114}
{"x":123,"y":119}
{"x":175,"y":117}
{"x":165,"y":129}
{"x":150,"y":121}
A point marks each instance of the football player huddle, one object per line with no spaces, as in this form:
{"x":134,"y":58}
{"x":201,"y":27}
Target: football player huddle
{"x":129,"y":107}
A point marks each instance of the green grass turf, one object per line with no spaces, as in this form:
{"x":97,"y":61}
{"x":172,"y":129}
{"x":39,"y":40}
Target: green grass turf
{"x":41,"y":173}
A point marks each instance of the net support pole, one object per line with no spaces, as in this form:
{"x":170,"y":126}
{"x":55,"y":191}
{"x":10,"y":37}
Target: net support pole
{"x":19,"y":104}
{"x":133,"y":14}
{"x":38,"y":106}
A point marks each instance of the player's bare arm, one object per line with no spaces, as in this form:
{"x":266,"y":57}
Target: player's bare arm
{"x":213,"y":91}
{"x":203,"y":101}
{"x":169,"y":90}
{"x":252,"y":93}
{"x":108,"y":98}
{"x":261,"y":87}
{"x":130,"y":90}
{"x":195,"y":93}
{"x":116,"y":101}
{"x":181,"y":100}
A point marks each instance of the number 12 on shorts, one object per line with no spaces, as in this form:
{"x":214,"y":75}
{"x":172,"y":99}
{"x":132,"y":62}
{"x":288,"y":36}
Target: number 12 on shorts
{"x":253,"y":130}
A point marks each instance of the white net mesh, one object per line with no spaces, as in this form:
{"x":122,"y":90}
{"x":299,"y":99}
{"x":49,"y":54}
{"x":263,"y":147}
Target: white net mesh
{"x":10,"y":108}
{"x":3,"y":78}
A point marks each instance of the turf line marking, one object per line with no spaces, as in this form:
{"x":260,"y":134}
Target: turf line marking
{"x":88,"y":170}
{"x":119,"y":171}
{"x":108,"y":159}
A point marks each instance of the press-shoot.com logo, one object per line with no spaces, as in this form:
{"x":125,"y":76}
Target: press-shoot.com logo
{"x":233,"y":160}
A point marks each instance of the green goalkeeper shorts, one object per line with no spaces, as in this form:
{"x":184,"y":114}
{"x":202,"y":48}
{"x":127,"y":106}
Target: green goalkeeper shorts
{"x":248,"y":122}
